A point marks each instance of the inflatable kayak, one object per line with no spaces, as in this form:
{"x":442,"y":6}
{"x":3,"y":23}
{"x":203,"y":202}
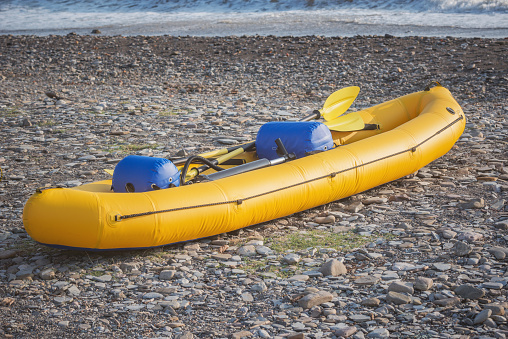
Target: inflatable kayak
{"x":410,"y":132}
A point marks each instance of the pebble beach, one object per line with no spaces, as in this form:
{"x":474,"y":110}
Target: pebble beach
{"x":424,"y":256}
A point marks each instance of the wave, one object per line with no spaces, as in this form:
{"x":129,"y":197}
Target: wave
{"x":228,"y":6}
{"x":247,"y":17}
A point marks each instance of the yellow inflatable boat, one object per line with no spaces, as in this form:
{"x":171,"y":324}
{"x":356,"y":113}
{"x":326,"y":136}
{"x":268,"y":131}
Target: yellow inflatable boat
{"x":413,"y":130}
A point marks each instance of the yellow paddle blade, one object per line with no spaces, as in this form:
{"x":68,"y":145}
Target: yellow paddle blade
{"x":346,"y":123}
{"x":109,"y":171}
{"x":339,"y":102}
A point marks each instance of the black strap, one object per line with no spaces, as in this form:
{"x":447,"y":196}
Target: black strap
{"x":367,"y":127}
{"x":234,"y":162}
{"x":371,"y":127}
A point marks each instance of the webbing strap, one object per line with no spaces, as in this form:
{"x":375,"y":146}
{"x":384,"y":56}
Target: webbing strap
{"x":331,"y":175}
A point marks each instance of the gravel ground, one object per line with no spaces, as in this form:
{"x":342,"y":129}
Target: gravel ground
{"x":421,"y":257}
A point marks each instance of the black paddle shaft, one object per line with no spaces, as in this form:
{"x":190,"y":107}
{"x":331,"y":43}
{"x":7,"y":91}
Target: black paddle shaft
{"x":313,"y":116}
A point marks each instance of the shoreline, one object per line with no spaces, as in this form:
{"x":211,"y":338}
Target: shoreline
{"x":323,"y":22}
{"x":224,"y":29}
{"x":435,"y":264}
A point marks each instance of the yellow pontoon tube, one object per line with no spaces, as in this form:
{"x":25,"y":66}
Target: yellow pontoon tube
{"x":413,"y":131}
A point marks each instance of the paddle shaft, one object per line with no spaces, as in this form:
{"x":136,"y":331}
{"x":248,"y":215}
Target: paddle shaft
{"x":251,"y":166}
{"x":313,"y":116}
{"x":198,"y":170}
{"x":211,"y":154}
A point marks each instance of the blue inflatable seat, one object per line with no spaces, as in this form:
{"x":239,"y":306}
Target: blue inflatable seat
{"x":136,"y":173}
{"x":299,"y":137}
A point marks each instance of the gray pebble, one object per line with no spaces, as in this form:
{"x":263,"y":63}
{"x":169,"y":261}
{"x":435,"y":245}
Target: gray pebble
{"x":333,"y":268}
{"x":397,"y":298}
{"x":469,"y":292}
{"x":482,"y":316}
{"x":379,"y":333}
{"x":314,"y":299}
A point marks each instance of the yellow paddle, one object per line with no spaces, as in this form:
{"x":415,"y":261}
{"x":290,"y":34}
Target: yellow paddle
{"x":336,"y":104}
{"x":211,"y":154}
{"x":339,"y":102}
{"x":346,"y":123}
{"x":191,"y":174}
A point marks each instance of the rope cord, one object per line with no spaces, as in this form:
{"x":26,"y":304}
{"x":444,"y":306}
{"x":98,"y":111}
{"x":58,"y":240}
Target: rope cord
{"x":333,"y":174}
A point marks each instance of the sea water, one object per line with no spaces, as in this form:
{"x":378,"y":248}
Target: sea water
{"x":462,"y":18}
